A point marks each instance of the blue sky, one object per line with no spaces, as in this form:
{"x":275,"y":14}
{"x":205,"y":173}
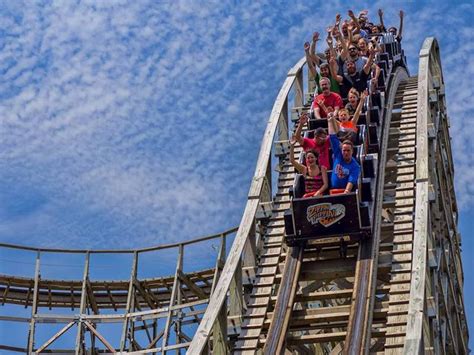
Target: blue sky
{"x":135,"y":123}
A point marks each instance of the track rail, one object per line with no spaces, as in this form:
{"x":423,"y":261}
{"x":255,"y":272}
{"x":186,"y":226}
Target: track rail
{"x":347,"y":285}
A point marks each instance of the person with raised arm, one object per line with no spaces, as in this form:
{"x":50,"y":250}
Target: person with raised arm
{"x":327,"y":101}
{"x":347,"y":125}
{"x":351,"y":52}
{"x":393,"y":30}
{"x":353,"y":99}
{"x":354,"y":78}
{"x":346,"y":170}
{"x":324,"y":71}
{"x":315,"y":175}
{"x":320,"y":142}
{"x":382,"y":25}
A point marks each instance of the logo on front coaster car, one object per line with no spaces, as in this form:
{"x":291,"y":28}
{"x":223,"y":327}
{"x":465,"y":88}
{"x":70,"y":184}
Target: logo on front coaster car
{"x":325,"y":213}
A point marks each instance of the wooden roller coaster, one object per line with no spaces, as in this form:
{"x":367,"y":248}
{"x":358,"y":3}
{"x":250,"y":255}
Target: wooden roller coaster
{"x":397,"y":291}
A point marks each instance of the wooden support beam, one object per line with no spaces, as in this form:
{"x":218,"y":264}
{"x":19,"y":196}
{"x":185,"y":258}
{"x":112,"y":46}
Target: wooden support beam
{"x":90,"y":297}
{"x":219,"y":332}
{"x":155,"y":339}
{"x":144,"y":294}
{"x":5,"y":293}
{"x":27,"y":298}
{"x":174,"y":292}
{"x":100,"y":337}
{"x":130,"y":299}
{"x":55,"y":337}
{"x":34,"y":308}
{"x":82,"y":306}
{"x":72,"y":298}
{"x":191,"y":285}
{"x":111,"y":297}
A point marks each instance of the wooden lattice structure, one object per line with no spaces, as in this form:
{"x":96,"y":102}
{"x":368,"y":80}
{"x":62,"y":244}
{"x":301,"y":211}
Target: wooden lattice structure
{"x":398,"y":292}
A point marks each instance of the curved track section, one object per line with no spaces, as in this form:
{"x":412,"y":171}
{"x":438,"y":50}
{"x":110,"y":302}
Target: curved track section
{"x":141,"y":313}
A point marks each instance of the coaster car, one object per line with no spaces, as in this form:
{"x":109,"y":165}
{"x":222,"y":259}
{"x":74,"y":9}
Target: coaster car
{"x":323,"y":217}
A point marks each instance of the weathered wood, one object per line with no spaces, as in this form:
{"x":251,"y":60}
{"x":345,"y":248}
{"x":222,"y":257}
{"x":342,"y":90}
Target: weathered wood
{"x":414,"y":341}
{"x":284,"y":306}
{"x":55,"y":337}
{"x":99,"y":336}
{"x":174,"y":293}
{"x":130,"y":297}
{"x":34,"y":308}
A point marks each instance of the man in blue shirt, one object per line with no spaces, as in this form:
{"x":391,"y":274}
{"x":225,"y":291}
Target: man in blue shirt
{"x":345,"y":170}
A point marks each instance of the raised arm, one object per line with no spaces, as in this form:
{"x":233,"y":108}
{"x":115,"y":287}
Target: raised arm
{"x":375,"y":79}
{"x":370,"y":60}
{"x":344,"y":51}
{"x":334,"y":69}
{"x":309,"y":61}
{"x":298,"y":166}
{"x":329,"y":41}
{"x":338,"y":20}
{"x":381,"y":18}
{"x":358,"y":110}
{"x":312,"y":51}
{"x":333,"y":126}
{"x":350,"y":38}
{"x":299,"y":128}
{"x":400,"y":29}
{"x":354,"y":20}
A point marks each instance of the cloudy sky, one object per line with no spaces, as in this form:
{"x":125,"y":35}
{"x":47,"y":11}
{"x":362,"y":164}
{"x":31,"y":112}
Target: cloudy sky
{"x":134,"y":123}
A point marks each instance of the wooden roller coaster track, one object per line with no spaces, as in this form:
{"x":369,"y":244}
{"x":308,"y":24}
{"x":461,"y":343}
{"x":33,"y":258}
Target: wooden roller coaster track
{"x":399,"y":291}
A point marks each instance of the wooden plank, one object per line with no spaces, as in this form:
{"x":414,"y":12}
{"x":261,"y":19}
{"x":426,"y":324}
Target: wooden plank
{"x":34,"y":308}
{"x":284,"y":306}
{"x":191,"y":285}
{"x":414,"y":341}
{"x":55,"y":337}
{"x":99,"y":336}
{"x":130,"y":296}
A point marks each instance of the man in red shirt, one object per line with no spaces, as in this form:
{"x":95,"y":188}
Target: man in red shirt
{"x":320,"y":143}
{"x":326,"y":102}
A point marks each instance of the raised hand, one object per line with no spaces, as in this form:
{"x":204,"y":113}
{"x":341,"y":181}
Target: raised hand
{"x":315,"y":36}
{"x":401,"y":13}
{"x":350,"y":13}
{"x":380,"y":12}
{"x":306,"y":46}
{"x":364,"y":94}
{"x":304,"y":118}
{"x":292,"y":140}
